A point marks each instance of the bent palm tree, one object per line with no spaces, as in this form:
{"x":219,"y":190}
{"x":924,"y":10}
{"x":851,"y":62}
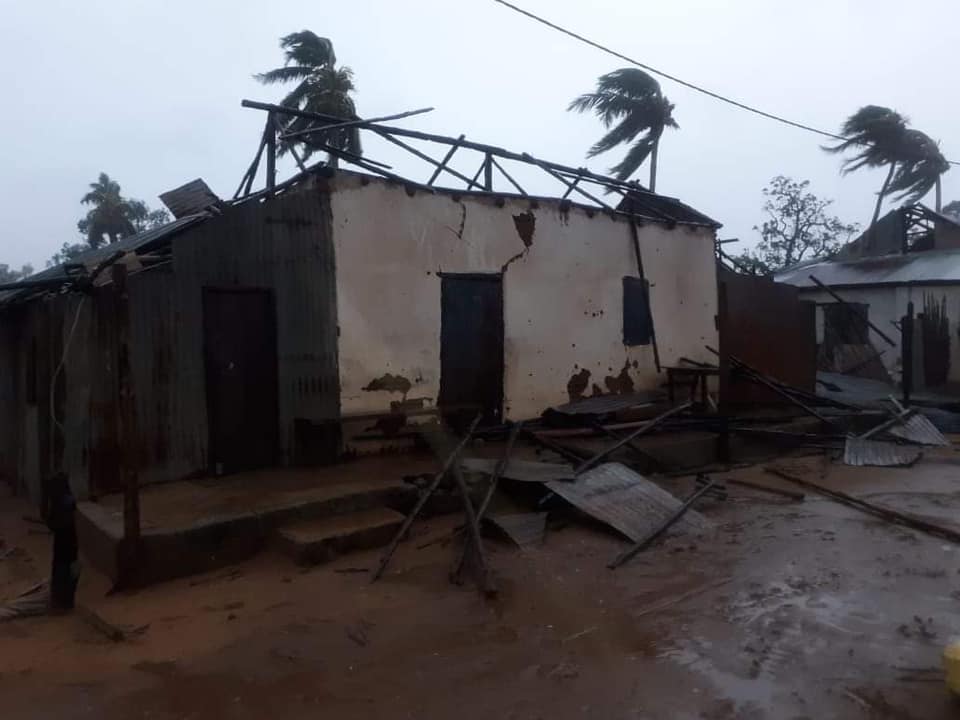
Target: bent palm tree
{"x":878,"y":133}
{"x":632,"y":99}
{"x":110,"y":214}
{"x":321,"y":88}
{"x":920,"y":168}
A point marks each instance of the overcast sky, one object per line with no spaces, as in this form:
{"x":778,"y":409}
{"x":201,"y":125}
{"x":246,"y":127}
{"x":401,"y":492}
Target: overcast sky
{"x":150,"y":92}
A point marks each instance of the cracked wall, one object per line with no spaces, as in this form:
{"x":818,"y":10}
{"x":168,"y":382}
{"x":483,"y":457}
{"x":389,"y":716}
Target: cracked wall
{"x":562,"y":289}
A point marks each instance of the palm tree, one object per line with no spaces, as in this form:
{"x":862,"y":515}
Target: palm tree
{"x":920,"y":168}
{"x":878,"y":135}
{"x":632,"y":99}
{"x":322,"y":87}
{"x":110,"y":214}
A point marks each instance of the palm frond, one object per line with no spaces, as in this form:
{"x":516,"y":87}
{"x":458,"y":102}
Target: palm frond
{"x":634,"y":158}
{"x":308,"y":48}
{"x":288,"y":73}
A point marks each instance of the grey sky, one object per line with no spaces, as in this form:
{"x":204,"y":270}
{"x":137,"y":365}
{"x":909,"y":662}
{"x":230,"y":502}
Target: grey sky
{"x":149,"y":92}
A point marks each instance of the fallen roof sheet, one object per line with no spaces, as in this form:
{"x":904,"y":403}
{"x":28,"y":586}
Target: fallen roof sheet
{"x":626,"y":501}
{"x":918,"y":429}
{"x":525,"y":529}
{"x":522,"y":470}
{"x":860,"y":452}
{"x":601,"y":404}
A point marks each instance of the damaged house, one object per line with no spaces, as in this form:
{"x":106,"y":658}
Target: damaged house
{"x":287,"y":325}
{"x":909,"y":262}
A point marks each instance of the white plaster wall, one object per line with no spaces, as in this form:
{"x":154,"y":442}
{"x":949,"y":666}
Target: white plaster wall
{"x":562,"y":295}
{"x":890,"y":303}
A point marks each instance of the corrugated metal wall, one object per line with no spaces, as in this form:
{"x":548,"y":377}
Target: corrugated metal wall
{"x":283,"y":244}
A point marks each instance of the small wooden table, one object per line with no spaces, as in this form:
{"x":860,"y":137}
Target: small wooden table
{"x":692,"y":377}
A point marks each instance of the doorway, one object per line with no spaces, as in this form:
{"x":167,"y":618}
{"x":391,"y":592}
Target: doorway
{"x":471,"y":347}
{"x":240,"y":355}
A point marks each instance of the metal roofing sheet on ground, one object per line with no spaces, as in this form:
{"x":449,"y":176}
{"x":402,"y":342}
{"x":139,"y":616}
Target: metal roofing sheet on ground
{"x":881,"y":454}
{"x":929,"y":266}
{"x":918,"y":429}
{"x":626,"y":501}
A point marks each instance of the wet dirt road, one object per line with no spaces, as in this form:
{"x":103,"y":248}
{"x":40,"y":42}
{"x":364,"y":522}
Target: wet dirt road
{"x":787,"y":610}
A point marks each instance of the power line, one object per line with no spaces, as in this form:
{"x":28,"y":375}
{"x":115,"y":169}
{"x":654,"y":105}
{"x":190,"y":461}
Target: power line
{"x":674,"y":78}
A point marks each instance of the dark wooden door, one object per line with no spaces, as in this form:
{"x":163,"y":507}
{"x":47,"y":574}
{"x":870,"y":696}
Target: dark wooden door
{"x":240,"y":348}
{"x":471,"y":347}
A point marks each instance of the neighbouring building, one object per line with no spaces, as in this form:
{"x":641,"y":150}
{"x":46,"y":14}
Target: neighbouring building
{"x":277,"y":329}
{"x":912,"y":255}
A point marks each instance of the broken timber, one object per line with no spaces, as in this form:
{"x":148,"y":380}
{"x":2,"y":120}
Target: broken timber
{"x":647,"y":427}
{"x":422,"y":500}
{"x":890,"y":516}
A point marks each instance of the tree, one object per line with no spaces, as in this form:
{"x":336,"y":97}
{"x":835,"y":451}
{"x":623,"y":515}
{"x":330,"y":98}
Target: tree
{"x":9,"y":275}
{"x":68,"y":253}
{"x":882,"y":138}
{"x":113,"y":216}
{"x":920,"y":167}
{"x":797,"y":227}
{"x":632,"y":99}
{"x":952,"y":209}
{"x":322,"y":87}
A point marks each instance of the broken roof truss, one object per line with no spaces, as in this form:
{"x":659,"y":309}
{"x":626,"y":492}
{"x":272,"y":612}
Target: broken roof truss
{"x":579,"y":183}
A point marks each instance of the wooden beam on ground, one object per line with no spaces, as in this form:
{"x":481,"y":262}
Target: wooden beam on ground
{"x":424,"y":496}
{"x":891,"y":516}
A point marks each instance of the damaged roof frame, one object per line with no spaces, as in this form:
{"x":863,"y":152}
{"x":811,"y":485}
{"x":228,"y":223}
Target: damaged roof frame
{"x":645,"y":204}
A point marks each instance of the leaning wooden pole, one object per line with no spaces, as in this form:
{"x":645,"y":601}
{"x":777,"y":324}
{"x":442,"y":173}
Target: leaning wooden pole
{"x":126,"y":432}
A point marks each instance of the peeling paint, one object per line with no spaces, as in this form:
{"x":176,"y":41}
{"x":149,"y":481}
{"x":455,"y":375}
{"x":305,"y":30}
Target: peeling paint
{"x":389,"y":383}
{"x":620,"y":384}
{"x":596,"y":390}
{"x":577,"y":384}
{"x":526,"y":223}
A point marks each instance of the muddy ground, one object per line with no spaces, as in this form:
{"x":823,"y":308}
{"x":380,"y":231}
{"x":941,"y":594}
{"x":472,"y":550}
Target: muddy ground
{"x":788,"y":610}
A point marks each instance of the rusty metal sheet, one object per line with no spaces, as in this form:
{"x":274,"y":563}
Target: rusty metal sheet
{"x":861,"y":452}
{"x":525,"y":529}
{"x":918,"y":429}
{"x":626,"y":501}
{"x":522,"y":470}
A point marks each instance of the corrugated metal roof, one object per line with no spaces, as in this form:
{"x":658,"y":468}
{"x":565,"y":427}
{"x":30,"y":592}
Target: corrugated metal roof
{"x":525,"y":529}
{"x":189,"y":199}
{"x":626,"y":501}
{"x":663,"y":208}
{"x":931,"y":266}
{"x":918,"y":429}
{"x":882,"y":454}
{"x":91,"y":258}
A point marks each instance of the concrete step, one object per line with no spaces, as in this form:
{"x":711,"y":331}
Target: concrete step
{"x":311,"y":542}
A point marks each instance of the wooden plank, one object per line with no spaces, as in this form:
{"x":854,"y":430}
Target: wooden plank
{"x":446,"y":159}
{"x":422,"y":500}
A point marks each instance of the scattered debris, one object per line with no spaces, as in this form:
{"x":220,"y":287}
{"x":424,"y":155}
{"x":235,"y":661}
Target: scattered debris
{"x":521,"y":470}
{"x":890,"y":516}
{"x":524,"y":529}
{"x":34,"y":601}
{"x":860,"y":452}
{"x":111,"y":631}
{"x":580,"y":634}
{"x":625,"y":501}
{"x":657,"y":532}
{"x":677,"y":599}
{"x":918,"y":429}
{"x":920,"y":627}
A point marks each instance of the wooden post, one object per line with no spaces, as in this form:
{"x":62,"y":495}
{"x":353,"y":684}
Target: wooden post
{"x":906,"y":353}
{"x":488,"y":173}
{"x":271,"y":151}
{"x":126,"y":430}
